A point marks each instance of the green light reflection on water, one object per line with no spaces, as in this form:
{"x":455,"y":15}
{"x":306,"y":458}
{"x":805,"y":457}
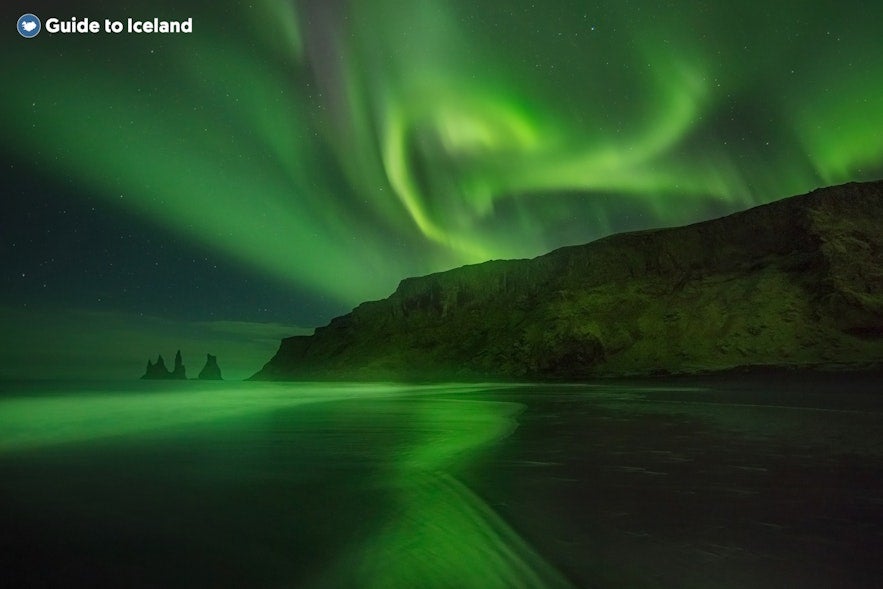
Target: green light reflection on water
{"x":436,"y":532}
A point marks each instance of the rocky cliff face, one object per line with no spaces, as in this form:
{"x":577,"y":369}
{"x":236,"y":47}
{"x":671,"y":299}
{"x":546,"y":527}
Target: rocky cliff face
{"x":211,"y":370}
{"x":797,"y":283}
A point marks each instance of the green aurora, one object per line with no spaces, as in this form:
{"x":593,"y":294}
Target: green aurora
{"x":335,"y":148}
{"x":339,"y":147}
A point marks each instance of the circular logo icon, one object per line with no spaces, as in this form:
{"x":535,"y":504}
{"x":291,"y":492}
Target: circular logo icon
{"x":28,"y":26}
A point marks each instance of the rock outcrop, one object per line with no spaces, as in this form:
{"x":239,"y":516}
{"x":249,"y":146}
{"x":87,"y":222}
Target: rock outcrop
{"x":179,"y":372}
{"x":211,"y":370}
{"x":796,"y":284}
{"x":158,"y":370}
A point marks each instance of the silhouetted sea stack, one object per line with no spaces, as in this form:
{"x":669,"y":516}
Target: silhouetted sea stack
{"x":179,"y":372}
{"x":795,"y":284}
{"x":158,"y":370}
{"x":211,"y":370}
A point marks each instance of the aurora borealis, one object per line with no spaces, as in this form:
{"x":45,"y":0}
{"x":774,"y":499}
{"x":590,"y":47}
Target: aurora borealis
{"x":319,"y":152}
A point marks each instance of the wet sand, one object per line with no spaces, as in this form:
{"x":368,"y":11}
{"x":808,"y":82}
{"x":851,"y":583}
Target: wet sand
{"x":728,"y":487}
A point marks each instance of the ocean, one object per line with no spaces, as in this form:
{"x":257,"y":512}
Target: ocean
{"x":237,"y":484}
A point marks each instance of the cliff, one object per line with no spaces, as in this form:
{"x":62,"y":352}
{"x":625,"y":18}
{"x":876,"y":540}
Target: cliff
{"x":796,"y":284}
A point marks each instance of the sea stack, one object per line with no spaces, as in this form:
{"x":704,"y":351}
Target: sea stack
{"x":180,"y":372}
{"x":211,"y":370}
{"x":158,"y":371}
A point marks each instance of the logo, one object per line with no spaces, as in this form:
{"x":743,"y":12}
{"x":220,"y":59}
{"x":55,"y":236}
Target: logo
{"x":28,"y":26}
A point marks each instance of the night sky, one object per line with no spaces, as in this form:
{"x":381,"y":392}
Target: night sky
{"x":215,"y":191}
